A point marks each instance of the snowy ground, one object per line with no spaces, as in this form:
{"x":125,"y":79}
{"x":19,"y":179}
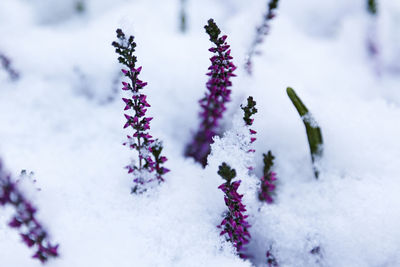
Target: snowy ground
{"x":63,"y":120}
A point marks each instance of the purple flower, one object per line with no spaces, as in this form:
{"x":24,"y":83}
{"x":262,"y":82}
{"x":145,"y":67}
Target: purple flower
{"x":261,"y":31}
{"x":218,"y":94}
{"x":31,"y":231}
{"x":271,"y":260}
{"x":234,"y":225}
{"x":268,"y":180}
{"x":149,"y":168}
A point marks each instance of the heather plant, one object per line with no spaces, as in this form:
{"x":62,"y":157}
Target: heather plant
{"x":213,"y":104}
{"x":314,"y":135}
{"x":24,"y":219}
{"x":261,"y":31}
{"x":5,"y":63}
{"x":234,"y":225}
{"x":148,"y":169}
{"x":268,"y":179}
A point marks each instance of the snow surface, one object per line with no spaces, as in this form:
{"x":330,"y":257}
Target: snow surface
{"x":63,"y":120}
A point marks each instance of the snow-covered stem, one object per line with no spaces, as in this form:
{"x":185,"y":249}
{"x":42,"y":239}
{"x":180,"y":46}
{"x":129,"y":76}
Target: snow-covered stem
{"x":149,"y":168}
{"x":32,"y":232}
{"x":234,"y":225}
{"x":314,"y":134}
{"x":261,"y":31}
{"x":215,"y":99}
{"x":5,"y":63}
{"x":268,"y":179}
{"x":249,"y":110}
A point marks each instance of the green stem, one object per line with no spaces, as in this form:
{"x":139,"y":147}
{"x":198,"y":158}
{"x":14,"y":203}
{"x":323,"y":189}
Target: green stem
{"x":313,"y":131}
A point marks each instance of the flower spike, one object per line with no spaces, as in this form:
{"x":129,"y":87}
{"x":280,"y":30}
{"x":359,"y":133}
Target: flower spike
{"x":234,"y":225}
{"x":213,"y":103}
{"x":24,"y":219}
{"x":148,"y":169}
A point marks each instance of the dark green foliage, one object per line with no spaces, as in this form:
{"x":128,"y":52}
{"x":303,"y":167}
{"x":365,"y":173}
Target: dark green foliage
{"x":268,"y":162}
{"x":273,"y":4}
{"x":372,"y":7}
{"x":313,"y":131}
{"x":249,"y":110}
{"x":183,"y":25}
{"x":226,"y":172}
{"x":213,"y":30}
{"x":80,"y":6}
{"x":125,"y":48}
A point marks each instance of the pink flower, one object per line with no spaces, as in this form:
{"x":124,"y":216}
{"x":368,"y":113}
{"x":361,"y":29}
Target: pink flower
{"x":141,"y":140}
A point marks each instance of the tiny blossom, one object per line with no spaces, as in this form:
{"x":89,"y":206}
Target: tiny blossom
{"x":218,"y":94}
{"x":268,"y":179}
{"x":271,"y":260}
{"x":234,"y":225}
{"x":31,"y":231}
{"x":5,"y":63}
{"x":147,"y":169}
{"x":261,"y":31}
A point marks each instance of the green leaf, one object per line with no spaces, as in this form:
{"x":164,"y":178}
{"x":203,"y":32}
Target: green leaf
{"x":313,"y":131}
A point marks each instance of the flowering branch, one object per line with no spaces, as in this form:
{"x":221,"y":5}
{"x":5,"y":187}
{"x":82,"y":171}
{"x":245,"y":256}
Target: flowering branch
{"x":261,"y":31}
{"x":218,"y":94}
{"x":149,"y":150}
{"x":32,"y":232}
{"x":234,"y":225}
{"x":5,"y":63}
{"x":268,"y":179}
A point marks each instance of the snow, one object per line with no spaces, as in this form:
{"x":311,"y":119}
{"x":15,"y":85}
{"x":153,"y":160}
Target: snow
{"x":64,"y":120}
